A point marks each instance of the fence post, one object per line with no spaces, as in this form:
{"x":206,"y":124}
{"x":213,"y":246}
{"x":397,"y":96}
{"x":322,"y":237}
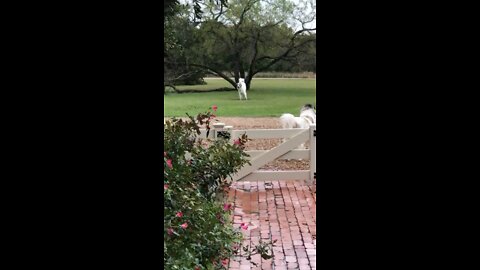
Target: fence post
{"x":217,"y":127}
{"x":313,"y":153}
{"x":221,"y":130}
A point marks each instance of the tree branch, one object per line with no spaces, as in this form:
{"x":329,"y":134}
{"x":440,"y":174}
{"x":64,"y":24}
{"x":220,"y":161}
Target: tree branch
{"x":172,"y":86}
{"x":246,"y":8}
{"x":254,"y":59}
{"x":217,"y":72}
{"x":284,"y":54}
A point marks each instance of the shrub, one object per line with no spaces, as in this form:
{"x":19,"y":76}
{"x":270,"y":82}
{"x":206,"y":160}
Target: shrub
{"x":198,"y":231}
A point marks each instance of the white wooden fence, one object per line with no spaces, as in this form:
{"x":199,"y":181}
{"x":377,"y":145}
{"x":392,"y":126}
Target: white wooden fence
{"x":286,"y":150}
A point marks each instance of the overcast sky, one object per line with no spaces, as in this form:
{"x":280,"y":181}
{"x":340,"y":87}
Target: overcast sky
{"x":313,"y":23}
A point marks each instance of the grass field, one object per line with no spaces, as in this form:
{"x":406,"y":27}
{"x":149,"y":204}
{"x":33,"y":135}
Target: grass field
{"x":267,"y":97}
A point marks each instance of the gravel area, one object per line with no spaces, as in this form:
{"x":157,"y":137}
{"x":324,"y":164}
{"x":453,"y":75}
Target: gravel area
{"x":264,"y":144}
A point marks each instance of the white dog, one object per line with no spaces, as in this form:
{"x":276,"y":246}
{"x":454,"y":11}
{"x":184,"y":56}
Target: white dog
{"x":242,"y":88}
{"x":307,"y":118}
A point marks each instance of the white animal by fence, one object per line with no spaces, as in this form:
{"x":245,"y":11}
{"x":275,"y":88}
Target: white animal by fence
{"x":307,"y":117}
{"x":242,"y":89}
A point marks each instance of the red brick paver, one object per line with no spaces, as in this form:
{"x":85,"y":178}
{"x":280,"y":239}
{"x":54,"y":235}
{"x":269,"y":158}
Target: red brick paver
{"x":282,"y":210}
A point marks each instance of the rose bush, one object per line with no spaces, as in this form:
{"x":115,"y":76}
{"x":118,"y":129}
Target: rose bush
{"x":198,"y":229}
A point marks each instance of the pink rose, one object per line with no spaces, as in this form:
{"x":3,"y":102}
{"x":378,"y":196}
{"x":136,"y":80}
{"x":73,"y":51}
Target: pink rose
{"x":214,"y":107}
{"x":184,"y":225}
{"x":227,"y":207}
{"x":169,"y":163}
{"x":179,"y":214}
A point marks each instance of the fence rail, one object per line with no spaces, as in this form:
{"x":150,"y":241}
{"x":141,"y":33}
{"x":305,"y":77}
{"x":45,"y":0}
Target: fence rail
{"x":293,"y":138}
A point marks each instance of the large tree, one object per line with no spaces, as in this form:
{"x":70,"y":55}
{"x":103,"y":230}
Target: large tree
{"x":250,"y":36}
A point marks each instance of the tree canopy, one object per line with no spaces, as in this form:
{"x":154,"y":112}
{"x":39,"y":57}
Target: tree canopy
{"x":240,"y":39}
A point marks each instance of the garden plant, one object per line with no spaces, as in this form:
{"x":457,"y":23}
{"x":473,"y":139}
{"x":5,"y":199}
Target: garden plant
{"x":198,"y":228}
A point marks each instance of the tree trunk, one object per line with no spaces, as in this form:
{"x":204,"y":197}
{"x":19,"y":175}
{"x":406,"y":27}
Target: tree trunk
{"x":242,"y":71}
{"x":237,"y":76}
{"x":247,"y":82}
{"x":238,"y":68}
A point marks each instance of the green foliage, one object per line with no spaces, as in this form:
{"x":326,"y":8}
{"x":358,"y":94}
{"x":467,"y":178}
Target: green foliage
{"x":207,"y":168}
{"x":198,"y":229}
{"x":169,"y":7}
{"x":180,"y":36}
{"x":240,"y":40}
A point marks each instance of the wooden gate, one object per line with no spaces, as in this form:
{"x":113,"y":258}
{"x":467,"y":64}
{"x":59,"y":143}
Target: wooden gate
{"x":286,"y":150}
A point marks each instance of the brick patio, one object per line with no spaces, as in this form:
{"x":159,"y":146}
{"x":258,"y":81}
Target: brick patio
{"x":282,"y":210}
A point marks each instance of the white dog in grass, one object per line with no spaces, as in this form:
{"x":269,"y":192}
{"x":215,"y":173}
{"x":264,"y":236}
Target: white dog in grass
{"x":242,"y":88}
{"x":307,"y":118}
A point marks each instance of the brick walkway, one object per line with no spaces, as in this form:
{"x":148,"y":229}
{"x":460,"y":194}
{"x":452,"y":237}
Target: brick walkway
{"x":282,"y":210}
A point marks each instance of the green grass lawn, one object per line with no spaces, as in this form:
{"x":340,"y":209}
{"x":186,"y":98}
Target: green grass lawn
{"x":267,"y":97}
